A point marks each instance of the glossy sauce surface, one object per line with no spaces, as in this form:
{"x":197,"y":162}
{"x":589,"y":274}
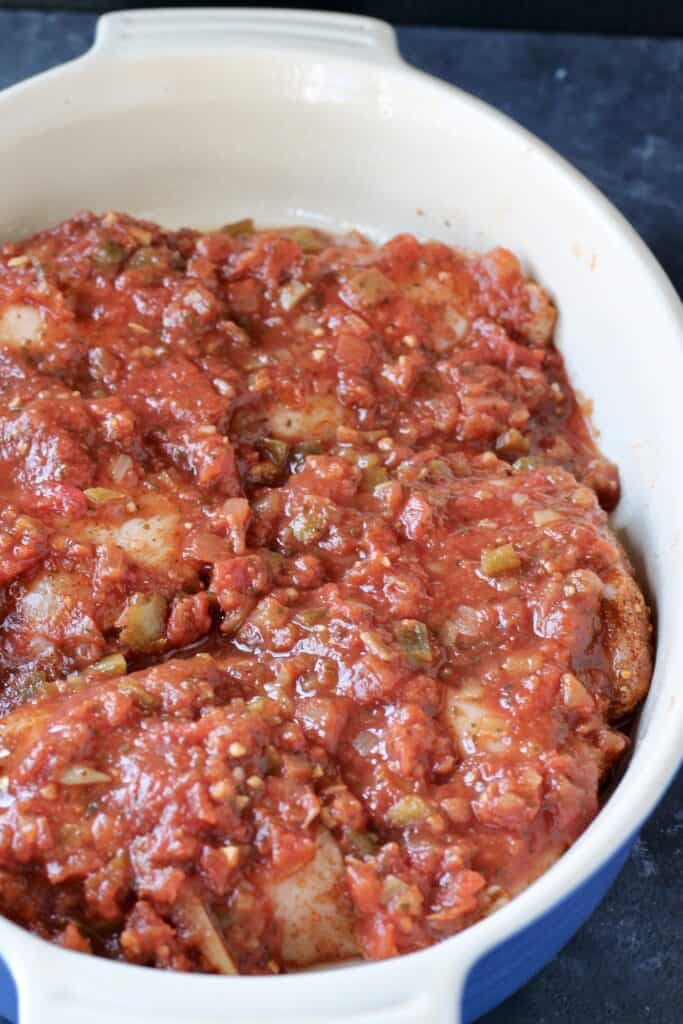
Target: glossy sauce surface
{"x":339,"y":508}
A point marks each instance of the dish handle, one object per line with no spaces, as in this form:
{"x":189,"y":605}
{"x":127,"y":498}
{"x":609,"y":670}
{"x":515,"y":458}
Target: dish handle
{"x":170,"y":32}
{"x":431,"y":996}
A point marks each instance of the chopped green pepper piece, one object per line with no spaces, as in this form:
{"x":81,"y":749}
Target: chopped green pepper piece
{"x":146,"y":256}
{"x":109,"y":253}
{"x":409,"y":810}
{"x":364,"y":842}
{"x":143,"y":623}
{"x":277,"y":451}
{"x":413,"y":638}
{"x":304,"y":448}
{"x":309,"y":524}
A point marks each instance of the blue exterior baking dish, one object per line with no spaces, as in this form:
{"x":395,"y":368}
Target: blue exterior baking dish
{"x":197,"y":116}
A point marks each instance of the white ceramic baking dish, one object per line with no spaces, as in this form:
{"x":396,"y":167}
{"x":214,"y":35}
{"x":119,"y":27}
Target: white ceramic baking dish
{"x":199,"y":117}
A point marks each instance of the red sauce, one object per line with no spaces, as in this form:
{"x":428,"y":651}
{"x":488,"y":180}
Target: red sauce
{"x":339,"y":508}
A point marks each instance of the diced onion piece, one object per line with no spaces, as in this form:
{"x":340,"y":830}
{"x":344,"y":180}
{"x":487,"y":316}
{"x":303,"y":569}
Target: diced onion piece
{"x":310,"y":617}
{"x":306,"y":238}
{"x":465,"y":624}
{"x":367,"y":288}
{"x":120,"y":466}
{"x":366,"y":743}
{"x":457,"y":808}
{"x":543,"y":516}
{"x":574,"y":694}
{"x":193,"y":915}
{"x":319,"y":419}
{"x":103,"y":495}
{"x":495,"y":561}
{"x":293,"y":292}
{"x":43,"y":605}
{"x":542,"y":316}
{"x":375,"y":644}
{"x":585,"y":581}
{"x":400,"y":897}
{"x":140,"y":235}
{"x":521,"y":663}
{"x":20,"y":325}
{"x":112,"y":665}
{"x":269,"y":614}
{"x":473,"y":727}
{"x":458,"y":323}
{"x":512,"y":444}
{"x":583,"y":496}
{"x":81,"y":775}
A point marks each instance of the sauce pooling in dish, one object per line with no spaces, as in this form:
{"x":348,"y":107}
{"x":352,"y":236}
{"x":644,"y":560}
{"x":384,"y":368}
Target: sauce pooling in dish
{"x":314,"y":639}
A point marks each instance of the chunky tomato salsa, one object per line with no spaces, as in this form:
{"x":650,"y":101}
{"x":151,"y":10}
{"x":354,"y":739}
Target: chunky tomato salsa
{"x":315,"y":641}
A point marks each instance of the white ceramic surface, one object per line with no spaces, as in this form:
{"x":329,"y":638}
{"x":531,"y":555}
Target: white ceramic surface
{"x":199,"y":117}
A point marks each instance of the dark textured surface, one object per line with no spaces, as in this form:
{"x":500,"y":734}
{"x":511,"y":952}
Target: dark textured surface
{"x":654,"y":17}
{"x":613,"y":107}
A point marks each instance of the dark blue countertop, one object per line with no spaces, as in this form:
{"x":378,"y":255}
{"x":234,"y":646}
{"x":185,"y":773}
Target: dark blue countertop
{"x":614,"y":107}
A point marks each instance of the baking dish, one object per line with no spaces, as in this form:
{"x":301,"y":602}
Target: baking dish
{"x":200,"y":117}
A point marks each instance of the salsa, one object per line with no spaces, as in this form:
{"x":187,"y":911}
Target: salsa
{"x":314,"y":638}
